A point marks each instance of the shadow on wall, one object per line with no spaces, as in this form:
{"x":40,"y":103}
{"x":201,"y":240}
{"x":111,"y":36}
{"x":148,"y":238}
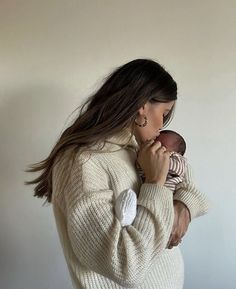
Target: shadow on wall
{"x":31,"y":120}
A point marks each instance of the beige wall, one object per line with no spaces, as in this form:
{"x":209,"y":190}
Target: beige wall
{"x":52,"y":54}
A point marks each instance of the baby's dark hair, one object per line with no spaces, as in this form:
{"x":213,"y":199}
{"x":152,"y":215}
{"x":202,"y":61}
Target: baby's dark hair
{"x":179,"y":140}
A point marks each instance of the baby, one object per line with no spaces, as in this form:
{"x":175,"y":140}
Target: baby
{"x":126,"y":202}
{"x":175,"y":144}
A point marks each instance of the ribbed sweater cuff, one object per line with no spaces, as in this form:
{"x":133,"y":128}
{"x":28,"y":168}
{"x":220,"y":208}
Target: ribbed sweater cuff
{"x":197,"y":206}
{"x":151,"y":192}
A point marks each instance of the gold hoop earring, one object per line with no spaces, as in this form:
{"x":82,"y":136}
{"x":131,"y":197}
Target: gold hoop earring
{"x":142,"y":125}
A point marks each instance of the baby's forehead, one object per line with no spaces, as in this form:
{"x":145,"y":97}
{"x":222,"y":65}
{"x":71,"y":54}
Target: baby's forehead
{"x":170,"y":136}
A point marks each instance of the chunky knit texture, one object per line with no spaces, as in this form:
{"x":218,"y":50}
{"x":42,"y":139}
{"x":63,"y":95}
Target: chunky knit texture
{"x":100,"y":253}
{"x":126,"y":203}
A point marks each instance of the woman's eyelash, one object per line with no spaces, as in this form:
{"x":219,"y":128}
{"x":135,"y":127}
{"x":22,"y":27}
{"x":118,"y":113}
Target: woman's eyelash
{"x":165,"y":115}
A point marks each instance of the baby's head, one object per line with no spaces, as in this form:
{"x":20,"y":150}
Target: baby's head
{"x":172,"y":141}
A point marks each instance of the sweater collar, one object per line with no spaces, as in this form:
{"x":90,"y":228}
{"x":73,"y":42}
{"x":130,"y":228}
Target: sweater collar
{"x":122,"y":138}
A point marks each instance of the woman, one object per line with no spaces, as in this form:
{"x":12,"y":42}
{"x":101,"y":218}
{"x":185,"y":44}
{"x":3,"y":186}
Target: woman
{"x":94,"y":161}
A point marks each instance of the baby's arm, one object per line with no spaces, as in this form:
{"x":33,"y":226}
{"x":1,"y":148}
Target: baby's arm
{"x":176,"y":172}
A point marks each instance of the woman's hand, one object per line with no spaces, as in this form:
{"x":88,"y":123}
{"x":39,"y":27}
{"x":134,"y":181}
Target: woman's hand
{"x":154,"y":160}
{"x":180,"y":226}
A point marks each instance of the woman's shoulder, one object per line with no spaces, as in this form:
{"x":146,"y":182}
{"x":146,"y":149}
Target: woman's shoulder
{"x":72,"y":165}
{"x":79,"y":157}
{"x":90,"y":159}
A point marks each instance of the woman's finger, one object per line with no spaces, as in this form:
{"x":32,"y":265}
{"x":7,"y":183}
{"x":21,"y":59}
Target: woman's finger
{"x":169,"y":242}
{"x":156,"y":145}
{"x":163,"y":148}
{"x":176,"y":243}
{"x":147,"y":143}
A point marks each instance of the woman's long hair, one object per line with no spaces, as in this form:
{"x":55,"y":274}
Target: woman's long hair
{"x":112,"y":108}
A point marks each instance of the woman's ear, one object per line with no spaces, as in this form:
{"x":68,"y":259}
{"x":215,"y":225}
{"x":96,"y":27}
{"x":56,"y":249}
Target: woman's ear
{"x":144,"y":109}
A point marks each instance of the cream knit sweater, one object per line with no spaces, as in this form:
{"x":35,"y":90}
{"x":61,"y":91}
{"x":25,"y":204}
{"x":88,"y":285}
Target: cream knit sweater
{"x":100,"y":253}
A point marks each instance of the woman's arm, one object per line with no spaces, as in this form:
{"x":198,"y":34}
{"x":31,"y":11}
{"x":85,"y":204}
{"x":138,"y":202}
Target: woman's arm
{"x":187,"y":193}
{"x":180,"y":225}
{"x":123,"y":254}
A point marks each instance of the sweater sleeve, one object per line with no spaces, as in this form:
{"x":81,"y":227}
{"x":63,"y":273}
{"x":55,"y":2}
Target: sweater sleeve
{"x":122,"y":254}
{"x":186,"y":192}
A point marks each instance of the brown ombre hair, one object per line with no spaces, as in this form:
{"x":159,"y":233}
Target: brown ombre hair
{"x":112,"y":108}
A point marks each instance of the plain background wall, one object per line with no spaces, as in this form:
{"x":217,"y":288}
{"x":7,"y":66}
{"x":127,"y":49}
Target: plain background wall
{"x":52,"y":55}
